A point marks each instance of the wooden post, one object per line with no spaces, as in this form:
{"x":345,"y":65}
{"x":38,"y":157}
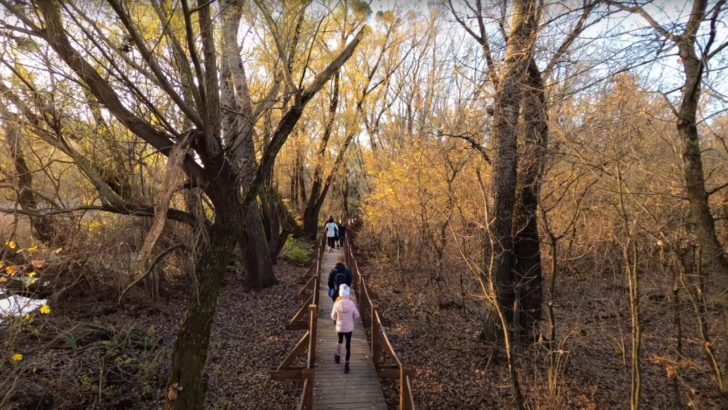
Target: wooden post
{"x":402,"y":388}
{"x":375,"y":337}
{"x":359,"y":288}
{"x":308,"y":375}
{"x":316,"y":285}
{"x":312,"y":340}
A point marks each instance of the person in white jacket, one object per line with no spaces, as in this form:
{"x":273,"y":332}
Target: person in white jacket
{"x":332,"y":232}
{"x":344,"y":313}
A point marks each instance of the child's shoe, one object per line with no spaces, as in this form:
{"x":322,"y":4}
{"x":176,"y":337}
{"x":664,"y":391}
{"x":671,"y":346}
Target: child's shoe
{"x":346,"y":367}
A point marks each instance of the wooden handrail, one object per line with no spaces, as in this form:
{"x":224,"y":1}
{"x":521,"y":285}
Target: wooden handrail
{"x":308,"y":342}
{"x":379,"y":338}
{"x":385,"y":339}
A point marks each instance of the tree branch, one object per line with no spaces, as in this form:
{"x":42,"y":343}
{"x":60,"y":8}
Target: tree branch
{"x":57,"y":39}
{"x":140,"y":210}
{"x":578,"y":29}
{"x":195,"y":58}
{"x":713,"y":31}
{"x":651,"y":21}
{"x":473,"y":143}
{"x":153,"y":65}
{"x":289,"y":119}
{"x":150,"y":268}
{"x":282,"y":54}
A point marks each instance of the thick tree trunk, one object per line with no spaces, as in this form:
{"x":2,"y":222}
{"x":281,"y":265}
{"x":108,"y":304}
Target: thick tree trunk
{"x":256,"y":253}
{"x":310,"y":222}
{"x":700,"y":217}
{"x":238,"y":131}
{"x":527,"y":245}
{"x":505,"y":159}
{"x":277,"y":220}
{"x":185,"y":387}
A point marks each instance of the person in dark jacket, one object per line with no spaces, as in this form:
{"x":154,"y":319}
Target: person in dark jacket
{"x":338,"y":276}
{"x":338,"y":235}
{"x":342,"y":233}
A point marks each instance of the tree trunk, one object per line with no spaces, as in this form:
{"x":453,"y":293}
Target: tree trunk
{"x":505,"y":159}
{"x":318,"y":190}
{"x":238,"y":135}
{"x":277,"y":220}
{"x":43,"y":226}
{"x":310,"y":222}
{"x":527,"y":244}
{"x":345,"y":198}
{"x":186,"y":390}
{"x":256,"y":254}
{"x":700,"y":217}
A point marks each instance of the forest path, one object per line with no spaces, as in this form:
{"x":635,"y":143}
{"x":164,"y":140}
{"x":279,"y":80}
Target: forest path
{"x":333,"y":389}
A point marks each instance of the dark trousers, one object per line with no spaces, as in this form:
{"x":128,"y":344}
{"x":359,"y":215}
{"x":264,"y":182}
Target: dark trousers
{"x":332,"y":241}
{"x":348,"y":342}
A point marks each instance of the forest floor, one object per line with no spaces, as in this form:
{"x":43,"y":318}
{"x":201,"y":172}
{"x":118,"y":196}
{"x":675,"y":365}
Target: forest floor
{"x":457,"y":363}
{"x":94,"y":354}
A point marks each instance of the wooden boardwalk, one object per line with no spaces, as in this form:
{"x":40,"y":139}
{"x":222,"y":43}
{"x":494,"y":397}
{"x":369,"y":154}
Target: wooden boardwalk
{"x":333,"y":389}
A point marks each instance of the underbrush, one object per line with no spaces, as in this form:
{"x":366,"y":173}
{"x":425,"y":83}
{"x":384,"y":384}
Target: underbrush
{"x":457,"y":356}
{"x":91,"y":352}
{"x":297,"y":251}
{"x":115,"y":361}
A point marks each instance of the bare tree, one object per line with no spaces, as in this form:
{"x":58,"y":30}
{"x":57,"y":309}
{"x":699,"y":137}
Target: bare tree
{"x":209,"y":164}
{"x":531,"y":156}
{"x":694,"y":58}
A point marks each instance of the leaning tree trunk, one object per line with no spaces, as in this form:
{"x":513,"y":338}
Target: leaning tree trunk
{"x":505,"y":154}
{"x":318,"y":190}
{"x":527,"y":244}
{"x":43,"y":226}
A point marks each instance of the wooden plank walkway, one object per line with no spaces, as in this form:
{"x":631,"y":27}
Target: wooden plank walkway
{"x":333,"y":389}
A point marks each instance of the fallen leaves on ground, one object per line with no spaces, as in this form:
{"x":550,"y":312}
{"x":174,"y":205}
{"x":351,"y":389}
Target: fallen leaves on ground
{"x":459,"y":365}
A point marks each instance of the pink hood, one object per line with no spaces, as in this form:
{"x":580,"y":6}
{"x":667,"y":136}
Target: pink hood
{"x":344,"y":313}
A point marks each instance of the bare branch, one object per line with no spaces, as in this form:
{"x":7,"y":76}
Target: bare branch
{"x":706,"y":54}
{"x":289,"y":119}
{"x":150,"y":268}
{"x":140,"y":210}
{"x":152,"y":62}
{"x":58,"y":40}
{"x":282,"y":53}
{"x":651,"y":21}
{"x":573,"y":35}
{"x":473,"y":143}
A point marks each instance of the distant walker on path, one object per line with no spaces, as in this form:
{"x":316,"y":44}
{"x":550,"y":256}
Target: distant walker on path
{"x":344,"y":313}
{"x":332,"y":232}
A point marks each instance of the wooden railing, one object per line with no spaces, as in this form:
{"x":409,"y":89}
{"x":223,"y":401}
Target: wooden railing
{"x":310,"y":296}
{"x":380,"y":343}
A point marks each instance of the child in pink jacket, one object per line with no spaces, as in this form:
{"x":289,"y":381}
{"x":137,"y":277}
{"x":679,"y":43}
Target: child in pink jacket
{"x":344,"y":313}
